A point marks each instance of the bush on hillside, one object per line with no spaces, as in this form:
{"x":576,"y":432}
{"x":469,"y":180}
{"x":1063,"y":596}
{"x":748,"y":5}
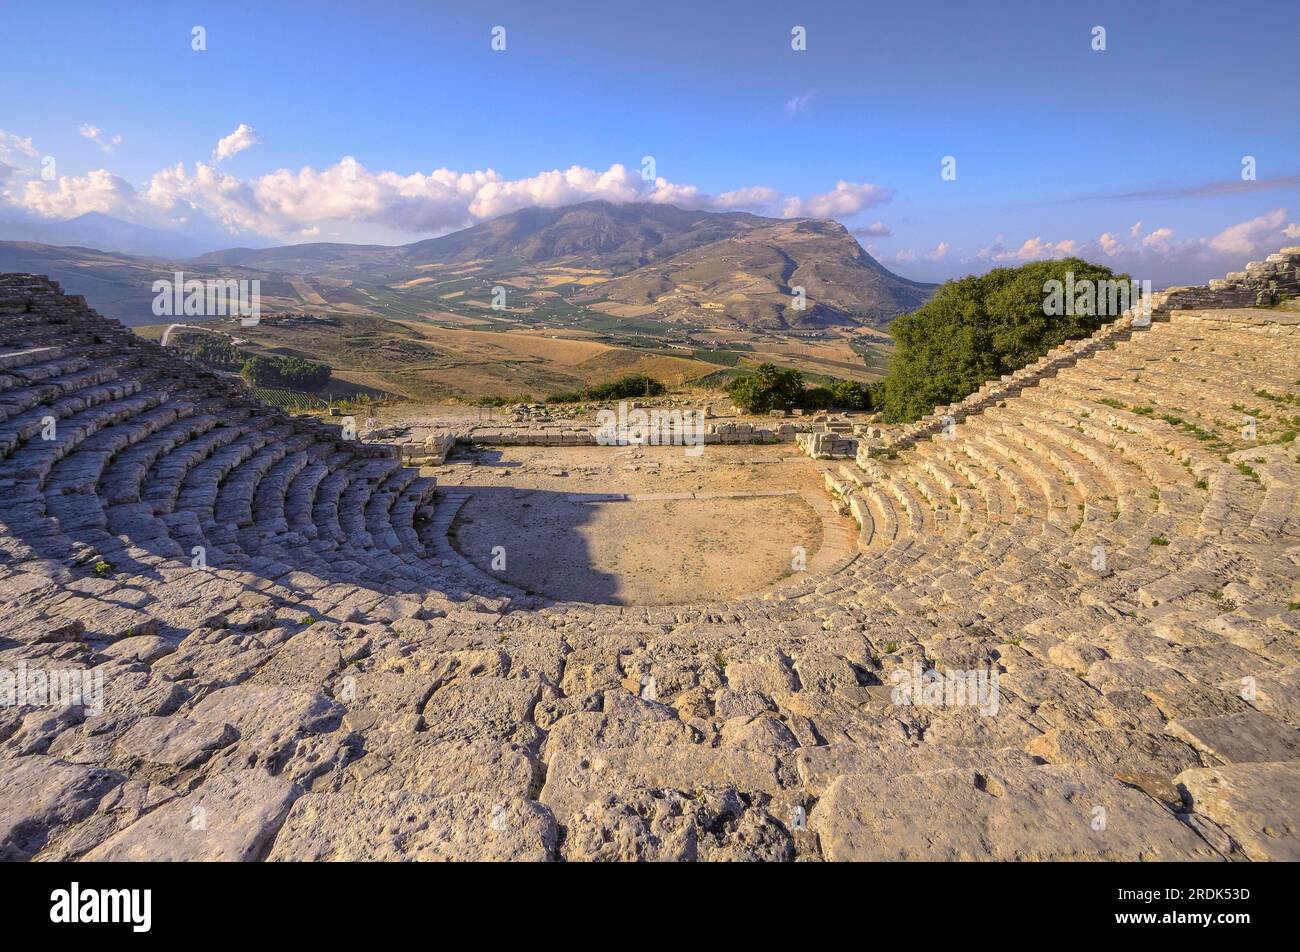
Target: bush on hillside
{"x":497,"y":401}
{"x":291,"y":373}
{"x":815,"y":398}
{"x":624,"y":388}
{"x":212,"y":350}
{"x":850,"y":395}
{"x":767,"y":388}
{"x":633,"y":385}
{"x":977,"y":329}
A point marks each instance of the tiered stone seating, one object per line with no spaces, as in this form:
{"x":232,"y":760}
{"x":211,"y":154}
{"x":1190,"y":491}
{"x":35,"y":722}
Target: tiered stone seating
{"x":282,"y":626}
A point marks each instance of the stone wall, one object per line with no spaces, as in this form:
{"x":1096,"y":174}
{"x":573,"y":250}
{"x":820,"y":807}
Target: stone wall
{"x":1261,"y":284}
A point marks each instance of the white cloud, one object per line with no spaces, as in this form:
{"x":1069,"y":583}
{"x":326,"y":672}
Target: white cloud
{"x":875,"y":230}
{"x":1034,"y":249}
{"x":97,"y":191}
{"x":1260,"y":233}
{"x":798,"y":104}
{"x":1158,"y":239}
{"x":1135,"y":230}
{"x":287,"y":202}
{"x":97,"y":135}
{"x":1109,"y":244}
{"x":13,"y":147}
{"x":242,"y":138}
{"x":753,"y":197}
{"x":847,"y":198}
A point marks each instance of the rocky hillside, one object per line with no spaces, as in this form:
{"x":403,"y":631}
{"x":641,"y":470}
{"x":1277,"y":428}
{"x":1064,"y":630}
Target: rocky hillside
{"x":646,"y":261}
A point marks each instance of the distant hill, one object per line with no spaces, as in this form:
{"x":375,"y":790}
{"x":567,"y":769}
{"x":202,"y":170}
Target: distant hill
{"x":619,"y":263}
{"x":749,"y":278}
{"x":96,"y":230}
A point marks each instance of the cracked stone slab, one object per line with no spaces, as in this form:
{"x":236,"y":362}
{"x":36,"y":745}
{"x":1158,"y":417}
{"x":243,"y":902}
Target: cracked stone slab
{"x":574,"y":780}
{"x":175,"y":741}
{"x":1248,"y":737}
{"x":1258,"y":805}
{"x":40,"y":794}
{"x":232,"y":817}
{"x":372,"y":824}
{"x":269,"y":718}
{"x":1011,"y":813}
{"x":820,"y":767}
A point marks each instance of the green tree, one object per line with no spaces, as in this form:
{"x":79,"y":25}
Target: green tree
{"x":978,"y":328}
{"x":632,"y":385}
{"x":767,"y":388}
{"x":291,"y":373}
{"x":850,"y":395}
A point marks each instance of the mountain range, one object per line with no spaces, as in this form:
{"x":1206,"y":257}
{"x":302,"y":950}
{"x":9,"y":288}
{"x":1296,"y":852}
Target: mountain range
{"x":633,"y":262}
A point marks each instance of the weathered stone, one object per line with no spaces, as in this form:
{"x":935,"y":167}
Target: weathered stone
{"x":40,"y":796}
{"x":1035,"y":813}
{"x":270,"y":719}
{"x":375,"y":825}
{"x":231,"y":817}
{"x":1255,"y":804}
{"x":175,"y":741}
{"x":487,"y":708}
{"x":1114,"y":751}
{"x":1240,"y":738}
{"x":575,"y":780}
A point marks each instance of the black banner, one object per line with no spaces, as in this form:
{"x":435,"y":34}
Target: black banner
{"x":137,"y":902}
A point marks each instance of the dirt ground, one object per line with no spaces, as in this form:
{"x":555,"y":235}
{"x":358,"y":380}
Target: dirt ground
{"x":637,"y":525}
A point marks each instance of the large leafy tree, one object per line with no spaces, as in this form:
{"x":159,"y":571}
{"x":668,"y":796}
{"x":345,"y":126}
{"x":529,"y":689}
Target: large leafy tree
{"x":978,"y":328}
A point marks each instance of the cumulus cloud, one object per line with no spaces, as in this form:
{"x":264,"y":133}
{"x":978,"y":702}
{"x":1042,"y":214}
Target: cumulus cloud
{"x":70,"y":196}
{"x":1258,"y":233}
{"x":1160,"y":238}
{"x":1160,"y":255}
{"x":102,"y":139}
{"x":14,"y":149}
{"x":747,"y":199}
{"x":1033,"y":249}
{"x":244,"y":137}
{"x":846,"y":199}
{"x":290,"y":202}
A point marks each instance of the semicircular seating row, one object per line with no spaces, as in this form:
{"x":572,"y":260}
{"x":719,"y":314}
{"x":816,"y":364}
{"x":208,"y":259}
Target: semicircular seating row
{"x":115,"y":451}
{"x":1108,"y":543}
{"x":1130,"y":476}
{"x":150,"y":462}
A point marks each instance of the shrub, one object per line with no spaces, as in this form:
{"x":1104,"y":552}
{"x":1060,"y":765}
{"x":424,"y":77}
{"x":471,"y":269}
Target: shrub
{"x":816,"y":398}
{"x":624,"y":388}
{"x":850,"y":395}
{"x":633,"y":385}
{"x":212,"y":350}
{"x":502,"y":401}
{"x":291,"y":373}
{"x":767,"y":388}
{"x":567,"y":396}
{"x":978,"y":328}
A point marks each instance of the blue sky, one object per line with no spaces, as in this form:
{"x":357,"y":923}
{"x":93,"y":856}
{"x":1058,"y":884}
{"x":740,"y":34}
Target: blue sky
{"x":1059,"y":148}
